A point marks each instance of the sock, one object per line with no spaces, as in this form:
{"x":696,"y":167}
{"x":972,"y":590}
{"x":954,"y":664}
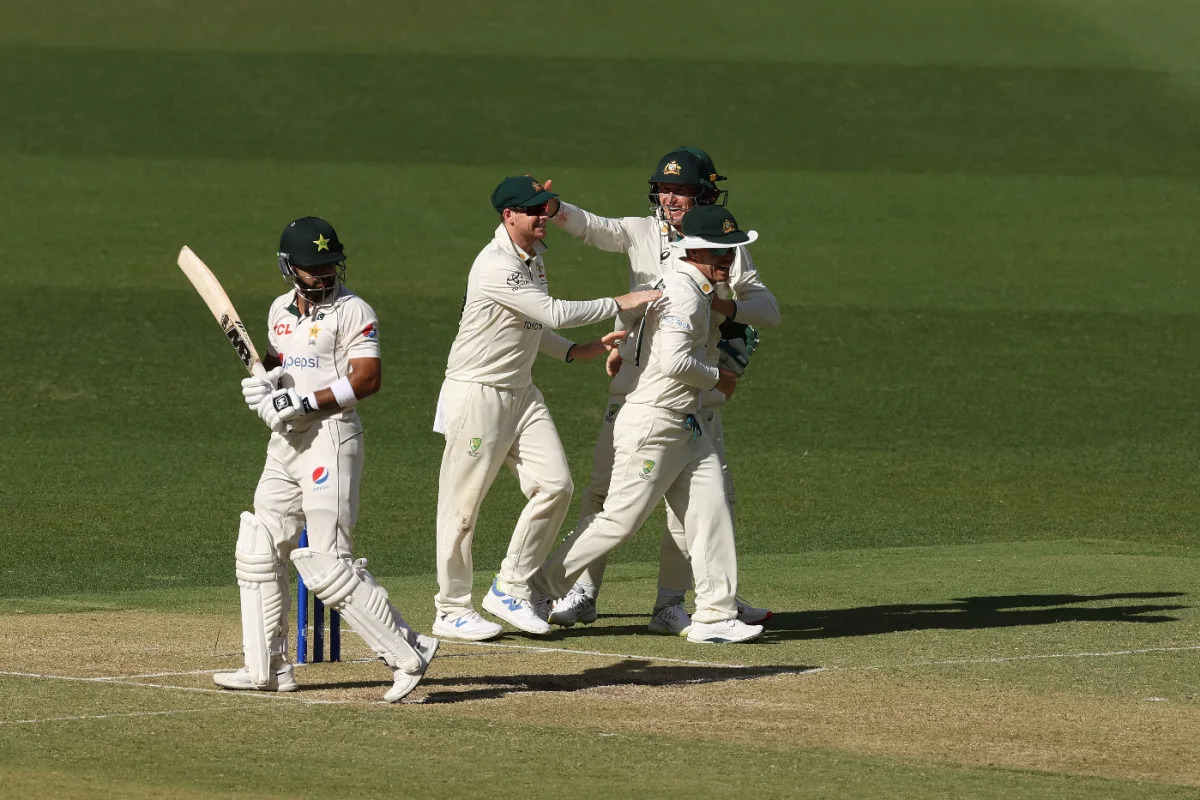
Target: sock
{"x":587,"y":590}
{"x":668,"y":597}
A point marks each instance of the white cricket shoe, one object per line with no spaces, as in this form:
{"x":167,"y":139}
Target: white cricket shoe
{"x":405,"y":682}
{"x":671,"y":619}
{"x":528,"y":615}
{"x":751,"y":615}
{"x":727,"y":631}
{"x":575,"y":607}
{"x":282,"y":679}
{"x":468,"y":625}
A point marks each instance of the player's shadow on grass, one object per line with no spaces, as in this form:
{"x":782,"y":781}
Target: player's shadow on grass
{"x":969,"y":613}
{"x":632,"y":672}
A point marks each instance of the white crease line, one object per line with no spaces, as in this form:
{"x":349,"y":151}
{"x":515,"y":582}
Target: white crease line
{"x":166,"y":687}
{"x":1003,"y":659}
{"x":114,"y":716}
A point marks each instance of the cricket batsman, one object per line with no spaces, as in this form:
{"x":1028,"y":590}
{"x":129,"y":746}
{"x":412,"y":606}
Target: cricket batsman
{"x":493,"y":415}
{"x":684,"y":178}
{"x":323,"y":358}
{"x":663,"y":445}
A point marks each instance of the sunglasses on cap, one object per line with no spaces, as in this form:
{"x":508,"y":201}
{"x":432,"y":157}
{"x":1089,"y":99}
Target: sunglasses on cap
{"x":533,"y":211}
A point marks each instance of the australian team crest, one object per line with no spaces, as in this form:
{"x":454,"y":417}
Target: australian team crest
{"x":728,"y":226}
{"x":672,"y":168}
{"x":476,"y":442}
{"x":647,"y":468}
{"x":611,"y":414}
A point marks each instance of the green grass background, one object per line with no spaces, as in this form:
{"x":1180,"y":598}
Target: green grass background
{"x":979,"y":219}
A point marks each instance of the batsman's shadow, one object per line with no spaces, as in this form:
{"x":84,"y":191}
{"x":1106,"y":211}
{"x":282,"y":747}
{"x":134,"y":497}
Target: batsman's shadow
{"x":632,"y":672}
{"x":969,"y":613}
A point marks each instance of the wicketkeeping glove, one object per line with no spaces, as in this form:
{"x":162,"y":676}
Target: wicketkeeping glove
{"x":734,"y":351}
{"x":255,"y":388}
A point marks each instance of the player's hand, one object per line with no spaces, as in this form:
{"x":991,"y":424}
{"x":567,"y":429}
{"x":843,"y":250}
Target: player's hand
{"x":282,"y":406}
{"x":612,"y":364}
{"x":256,"y":387}
{"x":606,"y":343}
{"x":727,"y":383}
{"x":637,"y":300}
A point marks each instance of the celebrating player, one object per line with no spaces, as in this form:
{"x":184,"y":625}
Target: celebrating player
{"x":684,"y":178}
{"x":492,"y":414}
{"x":662,"y":438}
{"x":324,"y":358}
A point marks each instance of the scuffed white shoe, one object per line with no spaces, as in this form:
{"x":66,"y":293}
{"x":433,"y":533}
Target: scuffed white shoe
{"x":575,"y":607}
{"x":282,"y":679}
{"x":404,"y":682}
{"x":468,"y":625}
{"x":727,"y":631}
{"x":528,"y":615}
{"x":672,"y":619}
{"x":751,"y":615}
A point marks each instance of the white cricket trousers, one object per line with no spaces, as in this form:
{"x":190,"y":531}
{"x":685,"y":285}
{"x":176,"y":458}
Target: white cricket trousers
{"x":674,"y":571}
{"x":486,"y":427}
{"x":657,"y":455}
{"x":312,"y":478}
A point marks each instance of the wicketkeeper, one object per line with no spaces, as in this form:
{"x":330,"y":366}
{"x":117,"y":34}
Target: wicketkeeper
{"x":662,"y":437}
{"x":323,"y":357}
{"x":684,"y":178}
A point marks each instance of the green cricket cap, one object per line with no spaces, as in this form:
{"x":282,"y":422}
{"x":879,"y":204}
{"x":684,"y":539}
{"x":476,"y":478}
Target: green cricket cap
{"x":712,"y":227}
{"x":518,"y":192}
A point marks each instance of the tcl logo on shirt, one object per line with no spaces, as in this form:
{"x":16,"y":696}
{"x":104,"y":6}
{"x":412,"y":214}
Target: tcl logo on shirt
{"x":283,"y":329}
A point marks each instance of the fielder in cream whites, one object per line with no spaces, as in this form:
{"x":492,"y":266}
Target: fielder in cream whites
{"x":683,"y":179}
{"x":323,"y":357}
{"x":662,"y":439}
{"x":493,"y":415}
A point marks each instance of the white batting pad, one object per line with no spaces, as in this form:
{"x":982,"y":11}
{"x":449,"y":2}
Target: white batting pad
{"x":362,"y":602}
{"x":263,"y":587}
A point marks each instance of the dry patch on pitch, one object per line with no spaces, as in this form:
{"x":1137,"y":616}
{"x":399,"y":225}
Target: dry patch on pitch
{"x":967,"y":717}
{"x":895,"y":714}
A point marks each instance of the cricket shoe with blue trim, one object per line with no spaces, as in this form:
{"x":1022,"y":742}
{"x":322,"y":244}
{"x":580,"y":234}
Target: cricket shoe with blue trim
{"x":528,"y":615}
{"x":404,"y":682}
{"x":575,"y":607}
{"x":467,"y":625}
{"x":727,"y":631}
{"x":751,"y":615}
{"x":672,"y":619}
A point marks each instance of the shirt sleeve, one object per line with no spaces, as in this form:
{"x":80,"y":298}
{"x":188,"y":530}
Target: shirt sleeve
{"x":509,"y":283}
{"x":674,"y":342}
{"x":756,"y":304}
{"x":554,"y":344}
{"x":360,"y":330}
{"x":604,"y":233}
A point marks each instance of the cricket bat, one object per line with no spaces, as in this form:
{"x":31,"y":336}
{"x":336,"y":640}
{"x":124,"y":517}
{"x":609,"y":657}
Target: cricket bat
{"x":218,"y":303}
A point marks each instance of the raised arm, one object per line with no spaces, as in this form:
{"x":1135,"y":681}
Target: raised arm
{"x":605,"y":233}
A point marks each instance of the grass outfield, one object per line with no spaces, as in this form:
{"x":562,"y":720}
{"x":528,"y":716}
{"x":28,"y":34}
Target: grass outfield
{"x":966,"y":461}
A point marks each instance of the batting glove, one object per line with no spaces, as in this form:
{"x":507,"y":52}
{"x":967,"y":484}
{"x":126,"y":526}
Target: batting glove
{"x":256,"y":387}
{"x":281,"y":406}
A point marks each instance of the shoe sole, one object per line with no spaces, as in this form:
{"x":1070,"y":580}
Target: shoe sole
{"x":286,"y":687}
{"x":566,"y":623}
{"x":455,"y":633}
{"x":503,"y":614}
{"x":725,"y":641}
